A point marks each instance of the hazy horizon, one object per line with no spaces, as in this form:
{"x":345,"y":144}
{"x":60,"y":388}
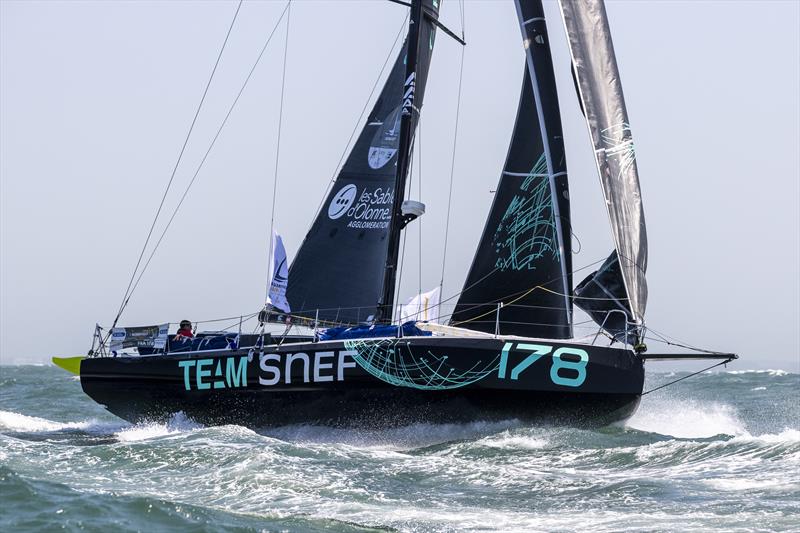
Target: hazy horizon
{"x":96,"y":98}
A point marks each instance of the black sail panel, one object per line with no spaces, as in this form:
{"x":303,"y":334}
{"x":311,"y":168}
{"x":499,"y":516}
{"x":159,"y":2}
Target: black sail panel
{"x":523,"y":259}
{"x":602,"y":295}
{"x":339,"y":268}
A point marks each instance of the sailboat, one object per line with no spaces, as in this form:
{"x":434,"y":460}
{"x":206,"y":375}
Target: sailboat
{"x":507,"y":351}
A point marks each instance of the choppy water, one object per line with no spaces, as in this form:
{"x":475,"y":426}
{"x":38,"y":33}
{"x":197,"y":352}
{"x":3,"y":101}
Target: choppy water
{"x":718,"y":451}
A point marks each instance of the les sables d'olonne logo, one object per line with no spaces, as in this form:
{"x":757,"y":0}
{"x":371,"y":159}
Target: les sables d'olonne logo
{"x":342,"y":201}
{"x":372,"y":209}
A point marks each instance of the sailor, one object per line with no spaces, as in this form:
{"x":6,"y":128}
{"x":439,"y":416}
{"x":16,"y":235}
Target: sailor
{"x":184,"y":331}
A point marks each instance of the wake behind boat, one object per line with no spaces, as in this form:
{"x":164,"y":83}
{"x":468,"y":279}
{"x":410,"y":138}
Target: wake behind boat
{"x":507,"y":349}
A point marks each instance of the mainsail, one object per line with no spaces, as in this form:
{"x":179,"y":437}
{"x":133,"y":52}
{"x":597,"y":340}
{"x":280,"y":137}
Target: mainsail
{"x":523,"y":259}
{"x":600,"y":91}
{"x":339,"y":269}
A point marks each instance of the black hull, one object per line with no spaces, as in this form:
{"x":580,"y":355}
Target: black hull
{"x":352,"y":384}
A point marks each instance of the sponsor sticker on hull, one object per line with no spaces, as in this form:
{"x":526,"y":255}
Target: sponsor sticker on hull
{"x":273,"y":369}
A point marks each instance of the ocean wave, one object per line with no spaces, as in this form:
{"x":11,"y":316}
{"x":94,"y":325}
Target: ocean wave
{"x":769,"y":371}
{"x":177,"y":424}
{"x":12,"y":421}
{"x":122,"y":431}
{"x":399,"y":438}
{"x":788,"y":435}
{"x":508,"y":441}
{"x":687,"y":419}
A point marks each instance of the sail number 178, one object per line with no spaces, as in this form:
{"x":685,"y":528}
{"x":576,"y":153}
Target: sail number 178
{"x":569,"y":371}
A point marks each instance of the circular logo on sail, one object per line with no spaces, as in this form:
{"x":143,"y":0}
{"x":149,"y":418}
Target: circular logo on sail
{"x":342,"y":201}
{"x":386,"y":141}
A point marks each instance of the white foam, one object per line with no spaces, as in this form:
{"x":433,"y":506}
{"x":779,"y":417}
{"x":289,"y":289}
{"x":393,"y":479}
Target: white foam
{"x":179,"y":423}
{"x":687,"y":419}
{"x":770,"y":371}
{"x":788,"y":435}
{"x":32,"y":424}
{"x":740,"y":483}
{"x":400,"y":438}
{"x":507,"y":441}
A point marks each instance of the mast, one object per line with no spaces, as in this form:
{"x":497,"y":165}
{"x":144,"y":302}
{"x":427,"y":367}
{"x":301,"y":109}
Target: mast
{"x":397,"y":222}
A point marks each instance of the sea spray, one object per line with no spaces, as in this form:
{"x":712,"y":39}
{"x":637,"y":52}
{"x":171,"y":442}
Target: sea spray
{"x":709,"y":453}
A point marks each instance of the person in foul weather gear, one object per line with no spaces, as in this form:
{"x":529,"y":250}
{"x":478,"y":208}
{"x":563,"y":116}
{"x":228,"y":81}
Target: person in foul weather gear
{"x":185,"y":330}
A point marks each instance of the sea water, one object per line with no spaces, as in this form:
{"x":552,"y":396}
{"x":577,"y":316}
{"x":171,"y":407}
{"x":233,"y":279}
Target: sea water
{"x":720,"y":451}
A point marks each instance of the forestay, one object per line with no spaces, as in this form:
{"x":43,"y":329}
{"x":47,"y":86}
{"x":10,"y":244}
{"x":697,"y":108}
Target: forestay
{"x":600,"y":91}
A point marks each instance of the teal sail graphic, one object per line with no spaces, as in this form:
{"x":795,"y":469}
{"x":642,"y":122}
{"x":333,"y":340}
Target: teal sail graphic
{"x":523,"y":260}
{"x":527,"y":230}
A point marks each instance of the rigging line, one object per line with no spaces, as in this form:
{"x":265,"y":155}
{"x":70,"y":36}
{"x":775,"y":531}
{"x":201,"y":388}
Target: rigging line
{"x":270,"y":259}
{"x":128,"y":292}
{"x":419,"y":192}
{"x":453,"y":159}
{"x":725,"y":362}
{"x":475,"y":306}
{"x":358,"y":122}
{"x":664,"y":338}
{"x":491,"y":311}
{"x":461,"y":6}
{"x":399,"y":280}
{"x":508,"y":295}
{"x":400,"y":277}
{"x":245,"y":319}
{"x":208,"y":151}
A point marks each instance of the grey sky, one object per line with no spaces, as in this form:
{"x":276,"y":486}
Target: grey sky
{"x":96,"y":97}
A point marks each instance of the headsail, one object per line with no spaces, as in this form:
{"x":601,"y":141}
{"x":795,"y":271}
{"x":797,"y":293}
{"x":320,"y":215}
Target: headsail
{"x":600,"y":90}
{"x":340,"y":266}
{"x":524,"y":255}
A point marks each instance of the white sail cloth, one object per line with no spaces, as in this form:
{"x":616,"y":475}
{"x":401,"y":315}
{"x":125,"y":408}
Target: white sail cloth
{"x":280,"y":276}
{"x":603,"y":103}
{"x":423,"y":307}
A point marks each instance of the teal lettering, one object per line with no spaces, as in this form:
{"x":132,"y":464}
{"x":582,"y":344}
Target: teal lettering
{"x":219,"y":384}
{"x":203,"y":373}
{"x":501,"y":372}
{"x":236,"y":377}
{"x":538,"y":351}
{"x":186,"y":365}
{"x":578,"y":366}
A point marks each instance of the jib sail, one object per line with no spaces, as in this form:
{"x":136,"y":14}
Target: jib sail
{"x":523,"y":258}
{"x":600,"y":92}
{"x":339,"y":269}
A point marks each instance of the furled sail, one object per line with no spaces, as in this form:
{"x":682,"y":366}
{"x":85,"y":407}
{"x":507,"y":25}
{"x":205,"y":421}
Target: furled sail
{"x":339,"y":268}
{"x":600,"y":91}
{"x":523,"y":258}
